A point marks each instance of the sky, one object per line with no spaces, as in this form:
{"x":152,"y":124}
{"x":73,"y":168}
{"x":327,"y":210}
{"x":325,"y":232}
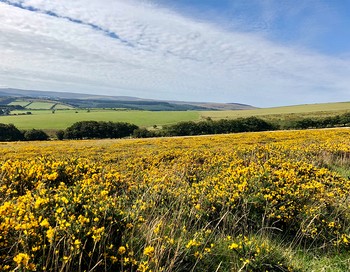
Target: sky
{"x":264,"y":53}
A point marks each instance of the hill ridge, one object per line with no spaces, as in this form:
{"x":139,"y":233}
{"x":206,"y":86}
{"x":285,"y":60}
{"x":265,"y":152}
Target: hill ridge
{"x":81,"y":100}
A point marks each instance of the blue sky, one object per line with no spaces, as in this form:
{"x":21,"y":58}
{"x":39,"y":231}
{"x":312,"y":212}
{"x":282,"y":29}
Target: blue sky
{"x":259,"y":52}
{"x":320,"y":25}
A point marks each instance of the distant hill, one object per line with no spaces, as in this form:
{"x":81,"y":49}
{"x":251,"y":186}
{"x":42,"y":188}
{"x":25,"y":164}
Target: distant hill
{"x":8,"y":95}
{"x":60,"y":95}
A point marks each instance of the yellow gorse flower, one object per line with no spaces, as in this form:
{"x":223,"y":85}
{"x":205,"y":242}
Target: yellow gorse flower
{"x":103,"y":201}
{"x":45,"y":223}
{"x":148,"y":251}
{"x":22,"y":259}
{"x":121,"y":250}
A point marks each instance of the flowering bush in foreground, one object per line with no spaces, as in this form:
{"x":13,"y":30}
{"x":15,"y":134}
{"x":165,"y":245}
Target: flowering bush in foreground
{"x":242,"y":202}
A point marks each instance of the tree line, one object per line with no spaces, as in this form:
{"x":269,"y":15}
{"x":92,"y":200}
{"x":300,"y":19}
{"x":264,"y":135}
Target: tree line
{"x":9,"y":132}
{"x":97,"y":130}
{"x":324,"y":122}
{"x":101,"y":130}
{"x":6,"y":109}
{"x":218,"y":127}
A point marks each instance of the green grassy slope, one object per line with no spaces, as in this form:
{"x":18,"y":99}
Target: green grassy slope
{"x":61,"y":119}
{"x":19,"y":103}
{"x":312,"y":110}
{"x":41,"y":105}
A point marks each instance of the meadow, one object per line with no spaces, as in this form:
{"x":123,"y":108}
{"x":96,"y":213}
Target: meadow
{"x":63,"y":118}
{"x":286,"y":112}
{"x":270,"y":201}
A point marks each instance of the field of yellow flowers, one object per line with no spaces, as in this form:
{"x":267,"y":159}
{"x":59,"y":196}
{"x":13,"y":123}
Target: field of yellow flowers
{"x":272,"y":201}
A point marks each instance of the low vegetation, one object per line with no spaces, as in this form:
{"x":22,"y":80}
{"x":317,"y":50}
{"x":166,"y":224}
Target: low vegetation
{"x":267,"y":201}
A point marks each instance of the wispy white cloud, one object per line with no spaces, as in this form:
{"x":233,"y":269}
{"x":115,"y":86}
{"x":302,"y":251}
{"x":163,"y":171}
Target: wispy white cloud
{"x":136,"y":48}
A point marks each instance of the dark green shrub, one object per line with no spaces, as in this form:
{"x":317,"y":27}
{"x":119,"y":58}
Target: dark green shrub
{"x":35,"y":135}
{"x":143,"y":133}
{"x":60,"y":134}
{"x":99,"y":130}
{"x":10,"y":133}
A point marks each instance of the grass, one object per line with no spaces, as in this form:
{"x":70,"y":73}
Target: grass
{"x":22,"y":103}
{"x":61,"y":119}
{"x":62,"y":107}
{"x":312,"y":110}
{"x":335,"y":263}
{"x":37,"y":105}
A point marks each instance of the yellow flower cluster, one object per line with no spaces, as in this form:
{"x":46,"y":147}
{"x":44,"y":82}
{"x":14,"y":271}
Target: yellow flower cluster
{"x":142,"y":205}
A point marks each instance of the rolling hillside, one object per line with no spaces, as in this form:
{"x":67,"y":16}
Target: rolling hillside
{"x":74,"y":100}
{"x":52,"y":113}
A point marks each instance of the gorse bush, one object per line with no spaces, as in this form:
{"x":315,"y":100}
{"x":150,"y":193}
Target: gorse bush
{"x":241,"y":202}
{"x":61,"y":216}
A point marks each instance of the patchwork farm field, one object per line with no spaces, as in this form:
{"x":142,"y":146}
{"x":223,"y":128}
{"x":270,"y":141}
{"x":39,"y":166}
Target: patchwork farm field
{"x":272,"y":201}
{"x":37,"y":104}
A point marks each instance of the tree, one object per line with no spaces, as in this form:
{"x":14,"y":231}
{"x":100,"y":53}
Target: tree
{"x":345,"y":119}
{"x":255,"y":124}
{"x":184,"y":128}
{"x":143,"y":133}
{"x":10,"y":133}
{"x":121,"y":129}
{"x":305,"y":123}
{"x":83,"y":129}
{"x":35,"y":135}
{"x":99,"y":130}
{"x":60,"y":134}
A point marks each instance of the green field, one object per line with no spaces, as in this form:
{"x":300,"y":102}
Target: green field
{"x":61,"y":119}
{"x":62,"y":107}
{"x":19,"y":103}
{"x":313,"y":110}
{"x":41,"y":105}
